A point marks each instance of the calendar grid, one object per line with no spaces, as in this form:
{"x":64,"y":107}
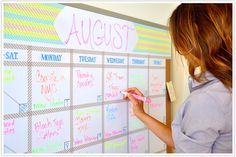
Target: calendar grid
{"x":72,"y":106}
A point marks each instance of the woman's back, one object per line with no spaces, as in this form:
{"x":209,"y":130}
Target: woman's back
{"x":204,"y":122}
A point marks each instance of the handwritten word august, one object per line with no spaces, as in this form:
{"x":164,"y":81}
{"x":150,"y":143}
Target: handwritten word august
{"x":90,"y":32}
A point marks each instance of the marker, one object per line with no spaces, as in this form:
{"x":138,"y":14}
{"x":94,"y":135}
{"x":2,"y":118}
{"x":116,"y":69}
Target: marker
{"x":144,"y":99}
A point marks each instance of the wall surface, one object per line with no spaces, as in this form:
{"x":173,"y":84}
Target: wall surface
{"x":156,"y":13}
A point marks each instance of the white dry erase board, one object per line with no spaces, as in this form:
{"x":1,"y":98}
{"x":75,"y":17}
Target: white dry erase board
{"x":64,"y":68}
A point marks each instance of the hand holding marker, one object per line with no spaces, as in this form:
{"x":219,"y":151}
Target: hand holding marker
{"x":144,"y":99}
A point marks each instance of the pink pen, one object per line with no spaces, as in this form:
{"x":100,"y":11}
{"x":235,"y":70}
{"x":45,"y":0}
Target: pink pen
{"x":144,"y":99}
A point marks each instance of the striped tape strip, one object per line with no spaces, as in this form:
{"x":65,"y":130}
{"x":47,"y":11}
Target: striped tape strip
{"x":152,"y":40}
{"x":30,"y":13}
{"x":32,"y":22}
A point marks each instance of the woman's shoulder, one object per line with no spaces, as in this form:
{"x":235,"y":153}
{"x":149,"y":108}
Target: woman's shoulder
{"x":210,"y":94}
{"x":214,"y":95}
{"x":209,"y":101}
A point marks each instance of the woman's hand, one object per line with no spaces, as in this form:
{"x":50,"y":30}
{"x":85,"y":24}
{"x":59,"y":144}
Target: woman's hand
{"x":137,"y":105}
{"x":159,"y":129}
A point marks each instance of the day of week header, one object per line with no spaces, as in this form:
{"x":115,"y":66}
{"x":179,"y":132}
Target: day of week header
{"x":115,"y":60}
{"x":138,"y":61}
{"x":50,"y":57}
{"x":87,"y":59}
{"x":11,"y":55}
{"x":157,"y":62}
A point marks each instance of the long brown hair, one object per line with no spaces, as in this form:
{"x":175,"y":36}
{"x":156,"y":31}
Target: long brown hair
{"x":202,"y":33}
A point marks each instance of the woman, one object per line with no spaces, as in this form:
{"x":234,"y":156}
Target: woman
{"x":202,"y":33}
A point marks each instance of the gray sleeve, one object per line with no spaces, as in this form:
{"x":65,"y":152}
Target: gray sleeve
{"x":199,"y":125}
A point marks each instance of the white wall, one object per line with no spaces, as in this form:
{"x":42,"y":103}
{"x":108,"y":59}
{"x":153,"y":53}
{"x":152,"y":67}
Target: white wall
{"x":157,"y":13}
{"x":153,"y":12}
